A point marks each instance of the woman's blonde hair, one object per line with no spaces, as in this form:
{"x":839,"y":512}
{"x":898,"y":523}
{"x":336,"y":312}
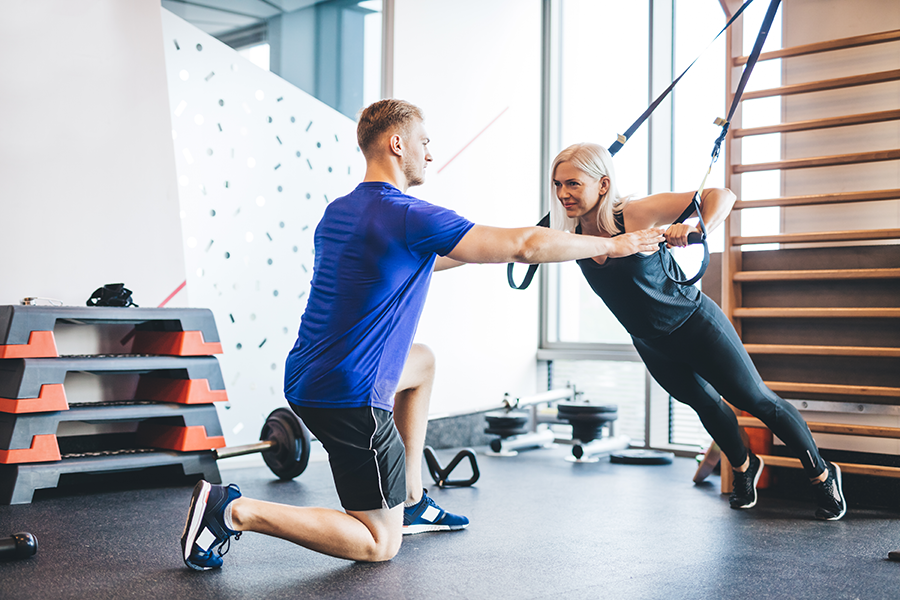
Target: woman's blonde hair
{"x":596,"y":162}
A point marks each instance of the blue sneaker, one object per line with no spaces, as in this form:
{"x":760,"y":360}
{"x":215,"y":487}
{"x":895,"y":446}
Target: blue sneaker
{"x":428,"y":516}
{"x":206,"y":538}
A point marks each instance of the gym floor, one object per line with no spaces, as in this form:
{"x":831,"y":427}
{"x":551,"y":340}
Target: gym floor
{"x":540,"y":528}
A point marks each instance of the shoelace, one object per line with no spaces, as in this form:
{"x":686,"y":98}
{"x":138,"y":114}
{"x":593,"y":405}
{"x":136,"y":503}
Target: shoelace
{"x":224,"y":547}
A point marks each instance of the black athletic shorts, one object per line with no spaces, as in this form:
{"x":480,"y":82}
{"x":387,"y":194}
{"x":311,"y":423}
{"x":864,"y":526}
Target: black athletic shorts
{"x":367,"y":456}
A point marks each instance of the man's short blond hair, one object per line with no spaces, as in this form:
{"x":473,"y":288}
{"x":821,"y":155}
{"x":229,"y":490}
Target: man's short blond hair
{"x":384,"y":116}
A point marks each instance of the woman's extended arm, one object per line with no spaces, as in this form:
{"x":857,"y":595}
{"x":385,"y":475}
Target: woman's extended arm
{"x":661,"y":209}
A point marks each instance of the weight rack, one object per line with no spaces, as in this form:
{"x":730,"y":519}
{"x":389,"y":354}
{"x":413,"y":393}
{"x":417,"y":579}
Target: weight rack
{"x":172,"y":408}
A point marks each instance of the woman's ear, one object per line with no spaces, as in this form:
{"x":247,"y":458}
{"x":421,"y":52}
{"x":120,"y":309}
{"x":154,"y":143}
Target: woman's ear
{"x":604,"y":185}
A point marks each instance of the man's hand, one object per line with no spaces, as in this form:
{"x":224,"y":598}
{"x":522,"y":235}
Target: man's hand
{"x":645,"y":240}
{"x":677,"y":234}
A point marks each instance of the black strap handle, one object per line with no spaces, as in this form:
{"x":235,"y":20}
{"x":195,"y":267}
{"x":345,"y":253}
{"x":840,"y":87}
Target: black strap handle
{"x":693,"y":238}
{"x":532,"y":269}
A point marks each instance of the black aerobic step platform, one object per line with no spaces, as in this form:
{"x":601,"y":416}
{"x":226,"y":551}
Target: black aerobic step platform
{"x":32,"y":438}
{"x":27,"y":331}
{"x":19,"y":482}
{"x":181,"y":379}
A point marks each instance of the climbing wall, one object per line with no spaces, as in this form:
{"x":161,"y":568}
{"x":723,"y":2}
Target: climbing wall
{"x":257,"y":161}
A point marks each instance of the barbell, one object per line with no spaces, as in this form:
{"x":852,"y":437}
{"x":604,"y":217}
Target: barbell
{"x":284,"y":444}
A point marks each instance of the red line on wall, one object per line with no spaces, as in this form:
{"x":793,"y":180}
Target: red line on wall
{"x":473,"y":139}
{"x":172,"y":295}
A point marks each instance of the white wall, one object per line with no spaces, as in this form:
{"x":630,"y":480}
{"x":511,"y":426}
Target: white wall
{"x":465,"y":63}
{"x":87,"y":193}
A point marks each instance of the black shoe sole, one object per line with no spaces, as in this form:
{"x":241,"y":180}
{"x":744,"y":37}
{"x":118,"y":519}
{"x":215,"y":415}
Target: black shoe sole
{"x":193,"y":522}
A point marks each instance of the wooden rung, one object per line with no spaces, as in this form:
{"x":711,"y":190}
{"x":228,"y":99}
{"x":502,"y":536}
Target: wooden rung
{"x":818,"y":199}
{"x":821,"y":313}
{"x":804,"y":350}
{"x":825,"y":84}
{"x":819,"y":161}
{"x":841,"y":44}
{"x":815,"y":124}
{"x":872,"y":391}
{"x":826,"y":236}
{"x":817,"y":275}
{"x":855,"y":469}
{"x":835,"y":428}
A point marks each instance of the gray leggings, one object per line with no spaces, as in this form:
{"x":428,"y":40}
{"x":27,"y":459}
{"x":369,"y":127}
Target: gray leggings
{"x":705,"y":359}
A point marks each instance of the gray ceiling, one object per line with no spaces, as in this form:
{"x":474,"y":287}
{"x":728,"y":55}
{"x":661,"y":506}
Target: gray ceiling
{"x":217,"y":17}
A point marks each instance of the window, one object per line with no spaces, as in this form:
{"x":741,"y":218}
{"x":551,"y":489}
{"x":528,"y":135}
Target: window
{"x":602,"y":86}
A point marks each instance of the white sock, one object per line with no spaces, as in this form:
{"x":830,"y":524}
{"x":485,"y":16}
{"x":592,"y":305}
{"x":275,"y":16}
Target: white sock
{"x":227,"y":516}
{"x":413,"y":503}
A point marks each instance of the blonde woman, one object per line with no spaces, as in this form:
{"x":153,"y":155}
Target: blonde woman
{"x":685,"y":340}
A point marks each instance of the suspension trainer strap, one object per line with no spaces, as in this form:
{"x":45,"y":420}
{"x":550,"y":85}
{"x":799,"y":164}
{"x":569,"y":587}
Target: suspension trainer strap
{"x":623,"y":138}
{"x":724,"y":123}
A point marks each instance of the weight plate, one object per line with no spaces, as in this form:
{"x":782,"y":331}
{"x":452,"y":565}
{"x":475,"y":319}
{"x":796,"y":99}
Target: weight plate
{"x":589,"y":419}
{"x":582,"y":408}
{"x":516,"y":417}
{"x":505,"y":432}
{"x":638,"y":456}
{"x":289,"y":456}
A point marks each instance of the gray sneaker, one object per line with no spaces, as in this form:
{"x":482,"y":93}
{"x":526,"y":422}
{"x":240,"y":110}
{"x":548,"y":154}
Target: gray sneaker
{"x":830,"y":495}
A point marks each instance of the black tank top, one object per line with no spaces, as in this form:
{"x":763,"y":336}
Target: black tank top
{"x":637,"y":291}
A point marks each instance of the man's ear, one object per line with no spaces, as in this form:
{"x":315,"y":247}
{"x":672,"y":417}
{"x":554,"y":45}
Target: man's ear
{"x":396,"y":143}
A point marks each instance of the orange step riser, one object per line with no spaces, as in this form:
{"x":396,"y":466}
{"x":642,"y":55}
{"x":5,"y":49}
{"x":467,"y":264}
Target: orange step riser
{"x":174,"y":343}
{"x":180,"y":391}
{"x":43,"y":449}
{"x":179,"y":439}
{"x":41,"y":344}
{"x":51,"y":398}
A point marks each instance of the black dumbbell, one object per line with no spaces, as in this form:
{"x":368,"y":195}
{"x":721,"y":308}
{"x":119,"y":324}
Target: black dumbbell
{"x":17,"y":546}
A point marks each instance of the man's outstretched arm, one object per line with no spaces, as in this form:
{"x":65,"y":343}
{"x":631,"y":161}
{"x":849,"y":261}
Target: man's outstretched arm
{"x":483,"y":244}
{"x":442,"y":263}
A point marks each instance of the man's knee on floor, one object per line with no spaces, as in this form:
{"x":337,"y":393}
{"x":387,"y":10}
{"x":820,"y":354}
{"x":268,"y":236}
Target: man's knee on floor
{"x":385,"y":549}
{"x":386,"y":530}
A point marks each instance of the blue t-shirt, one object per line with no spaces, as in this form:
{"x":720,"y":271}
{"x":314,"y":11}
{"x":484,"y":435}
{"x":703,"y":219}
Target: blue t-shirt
{"x":375,"y":252}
